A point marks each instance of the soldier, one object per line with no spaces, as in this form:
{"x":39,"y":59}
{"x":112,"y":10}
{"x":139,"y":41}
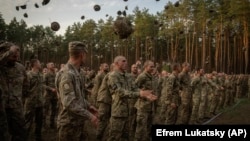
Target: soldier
{"x":4,"y":134}
{"x":16,"y":77}
{"x":50,"y":95}
{"x":74,"y":108}
{"x":104,"y":101}
{"x":144,"y":118}
{"x":132,"y":109}
{"x":121,"y":89}
{"x":34,"y":100}
{"x":159,"y":119}
{"x":170,"y":96}
{"x":104,"y":68}
{"x":215,"y":99}
{"x":196,"y":96}
{"x":186,"y":94}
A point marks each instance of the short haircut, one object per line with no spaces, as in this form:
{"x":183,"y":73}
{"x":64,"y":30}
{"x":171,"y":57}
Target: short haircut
{"x":32,"y":62}
{"x":76,"y":48}
{"x":175,"y":66}
{"x":146,"y":63}
{"x":118,"y":58}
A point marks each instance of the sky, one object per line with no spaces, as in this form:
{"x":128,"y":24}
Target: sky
{"x":67,"y":12}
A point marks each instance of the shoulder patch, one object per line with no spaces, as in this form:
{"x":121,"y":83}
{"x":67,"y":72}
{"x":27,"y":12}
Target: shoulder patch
{"x":66,"y":86}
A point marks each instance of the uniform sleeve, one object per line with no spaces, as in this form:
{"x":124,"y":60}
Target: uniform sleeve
{"x":116,"y":88}
{"x":139,"y":81}
{"x":45,"y":82}
{"x":167,"y":91}
{"x":68,"y":98}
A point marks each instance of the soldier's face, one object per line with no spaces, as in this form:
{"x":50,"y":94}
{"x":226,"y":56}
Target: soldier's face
{"x":14,"y":54}
{"x":38,"y":65}
{"x":134,"y":69}
{"x":83,"y":58}
{"x":150,"y":67}
{"x":106,"y":68}
{"x":122,"y":64}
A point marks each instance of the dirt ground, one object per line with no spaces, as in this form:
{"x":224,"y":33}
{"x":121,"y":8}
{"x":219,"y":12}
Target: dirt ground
{"x":236,"y":114}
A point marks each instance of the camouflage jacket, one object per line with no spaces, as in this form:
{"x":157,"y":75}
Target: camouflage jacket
{"x":170,"y":91}
{"x":196,"y":84}
{"x":34,"y":96}
{"x":121,"y":89}
{"x":17,"y":84}
{"x":104,"y":94}
{"x":145,"y":82}
{"x":185,"y":82}
{"x":71,"y":93}
{"x":49,"y":80}
{"x":97,"y":82}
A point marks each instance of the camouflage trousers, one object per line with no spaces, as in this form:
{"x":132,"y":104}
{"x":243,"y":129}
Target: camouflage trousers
{"x":221,"y":100}
{"x":184,"y":111}
{"x":34,"y":114}
{"x":144,"y":121}
{"x":104,"y":111}
{"x":171,"y":115}
{"x":119,"y":129}
{"x":50,"y":109}
{"x":214,"y":103}
{"x":132,"y":122}
{"x":195,"y":109}
{"x":71,"y":133}
{"x":4,"y":134}
{"x":16,"y":124}
{"x":203,"y":106}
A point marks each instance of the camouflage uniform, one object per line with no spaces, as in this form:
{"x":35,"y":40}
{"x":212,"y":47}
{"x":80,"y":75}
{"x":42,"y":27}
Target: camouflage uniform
{"x":228,"y":91}
{"x":239,"y":87}
{"x":196,"y":97}
{"x":104,"y":100}
{"x":17,"y":86}
{"x":50,"y":98}
{"x":222,"y":93}
{"x":4,"y":134}
{"x":97,"y":83}
{"x":121,"y":89}
{"x":73,"y":107}
{"x":186,"y":98}
{"x":144,"y":108}
{"x":215,"y":98}
{"x":170,"y":94}
{"x":34,"y":103}
{"x":203,"y":107}
{"x":132,"y":111}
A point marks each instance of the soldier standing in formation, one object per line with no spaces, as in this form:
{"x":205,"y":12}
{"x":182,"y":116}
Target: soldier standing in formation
{"x":74,"y":108}
{"x":121,"y":90}
{"x":132,"y":110}
{"x":104,"y":69}
{"x":34,"y":100}
{"x":186,"y":94}
{"x":170,"y":96}
{"x":144,"y":118}
{"x":50,"y":95}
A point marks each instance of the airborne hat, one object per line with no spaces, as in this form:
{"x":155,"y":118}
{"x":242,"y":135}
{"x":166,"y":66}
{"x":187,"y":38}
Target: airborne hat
{"x":77,"y":45}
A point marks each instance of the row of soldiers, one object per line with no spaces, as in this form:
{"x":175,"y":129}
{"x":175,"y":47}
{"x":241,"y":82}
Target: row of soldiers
{"x":184,"y":97}
{"x":122,"y":105}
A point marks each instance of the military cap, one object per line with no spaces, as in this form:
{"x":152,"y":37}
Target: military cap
{"x":77,"y":45}
{"x":5,"y":49}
